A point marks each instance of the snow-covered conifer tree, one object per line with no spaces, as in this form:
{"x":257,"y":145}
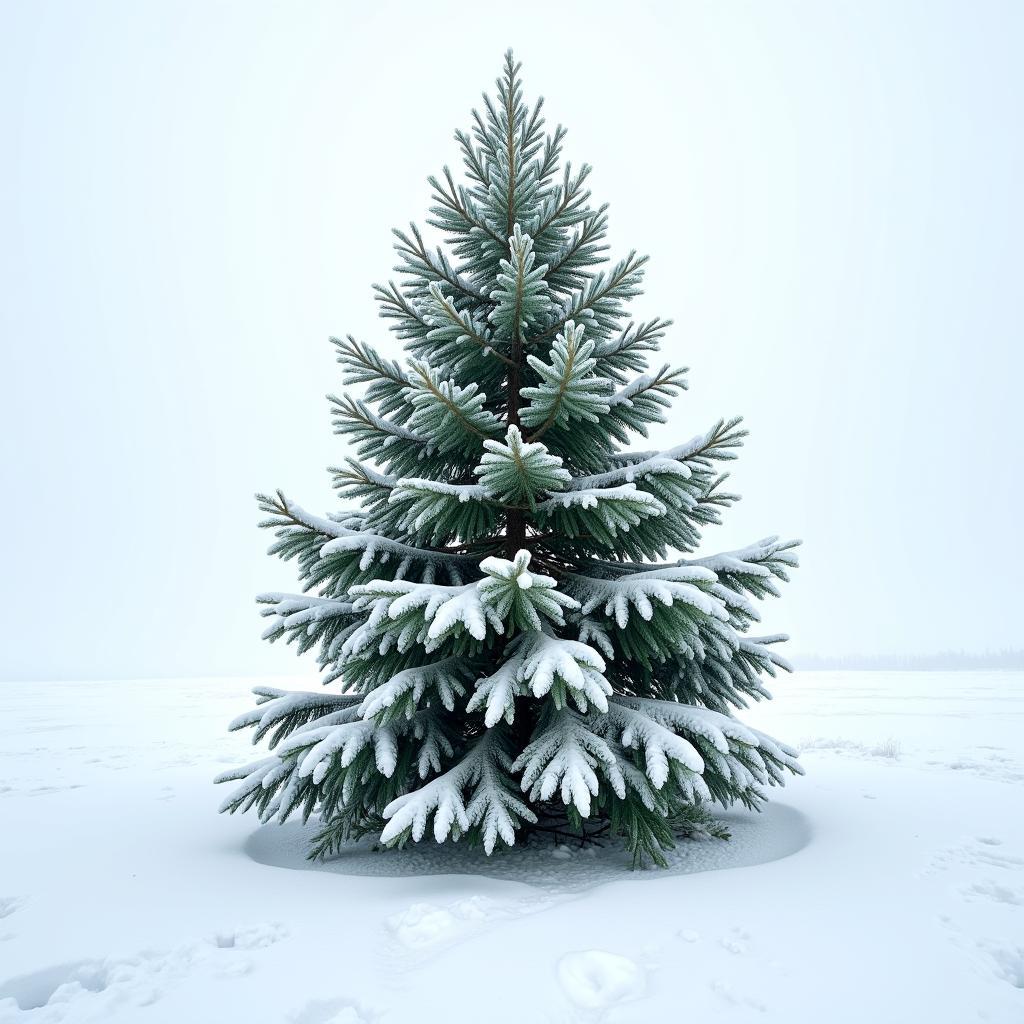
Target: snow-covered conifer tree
{"x":513,"y":653}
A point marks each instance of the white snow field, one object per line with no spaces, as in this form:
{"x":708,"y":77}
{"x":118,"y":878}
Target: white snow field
{"x":886,"y":886}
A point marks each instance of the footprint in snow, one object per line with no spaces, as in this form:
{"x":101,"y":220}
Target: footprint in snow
{"x":87,"y":986}
{"x":256,"y":937}
{"x":982,"y":851}
{"x":597,"y":980}
{"x":329,"y":1011}
{"x":736,"y":942}
{"x":730,"y":994}
{"x":49,"y":790}
{"x":425,"y":927}
{"x":1008,"y":962}
{"x":994,"y":891}
{"x":8,"y":905}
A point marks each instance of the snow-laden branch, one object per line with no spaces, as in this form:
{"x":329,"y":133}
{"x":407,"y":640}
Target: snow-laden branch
{"x":483,"y":769}
{"x":566,"y":757}
{"x":404,"y":690}
{"x":372,"y":545}
{"x":716,"y":443}
{"x":687,"y":585}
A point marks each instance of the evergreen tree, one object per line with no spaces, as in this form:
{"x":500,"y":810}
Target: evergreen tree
{"x":512,"y":657}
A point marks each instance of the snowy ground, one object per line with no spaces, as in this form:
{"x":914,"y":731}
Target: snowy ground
{"x":886,"y":886}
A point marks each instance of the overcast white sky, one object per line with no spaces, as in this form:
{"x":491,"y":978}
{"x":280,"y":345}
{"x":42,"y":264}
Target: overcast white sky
{"x":193,"y":196}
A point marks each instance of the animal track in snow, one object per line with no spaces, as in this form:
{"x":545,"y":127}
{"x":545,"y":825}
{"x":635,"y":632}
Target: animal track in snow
{"x":737,"y":941}
{"x":256,"y":937}
{"x":329,"y":1011}
{"x":730,"y":994}
{"x":597,"y":980}
{"x":1008,"y":962}
{"x":140,"y":979}
{"x":43,"y":790}
{"x":982,"y":851}
{"x":989,"y":890}
{"x":426,"y":926}
{"x":995,"y":767}
{"x":8,"y":905}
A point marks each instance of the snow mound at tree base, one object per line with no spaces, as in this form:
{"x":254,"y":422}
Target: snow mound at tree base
{"x":757,"y":838}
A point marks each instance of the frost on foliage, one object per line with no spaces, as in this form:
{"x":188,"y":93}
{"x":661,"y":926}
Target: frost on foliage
{"x":558,"y":666}
{"x":642,"y":401}
{"x":680,"y":461}
{"x":755,"y":568}
{"x":521,"y":296}
{"x":482,"y":771}
{"x":660,"y":745}
{"x":517,"y":471}
{"x":404,"y":612}
{"x":523,"y":598}
{"x":453,"y":416}
{"x":734,"y":759}
{"x":426,"y":613}
{"x":401,"y":694}
{"x":545,"y":666}
{"x":497,"y":692}
{"x":566,"y":758}
{"x":362,"y":364}
{"x":686,"y":585}
{"x":300,"y":613}
{"x":376,"y":437}
{"x":341,"y":539}
{"x":608,"y":510}
{"x":284,"y":710}
{"x":343,"y":739}
{"x":569,"y":389}
{"x":456,"y":337}
{"x":437,"y":511}
{"x":313,"y":743}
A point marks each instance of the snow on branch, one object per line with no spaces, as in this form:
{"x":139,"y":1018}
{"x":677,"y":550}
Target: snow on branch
{"x":543,"y":665}
{"x":492,"y":806}
{"x":441,"y":610}
{"x":373,"y":546}
{"x":497,"y":692}
{"x":716,"y":728}
{"x":519,"y":597}
{"x":401,"y":694}
{"x":517,"y":471}
{"x":568,"y":389}
{"x":346,"y":734}
{"x":289,"y":708}
{"x":439,"y":510}
{"x":566,"y":757}
{"x":660,"y":745}
{"x":717,"y":443}
{"x":681,"y":584}
{"x":602,"y":512}
{"x":294,"y":611}
{"x":453,"y":417}
{"x":642,"y":401}
{"x":752,"y":568}
{"x":554,"y":662}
